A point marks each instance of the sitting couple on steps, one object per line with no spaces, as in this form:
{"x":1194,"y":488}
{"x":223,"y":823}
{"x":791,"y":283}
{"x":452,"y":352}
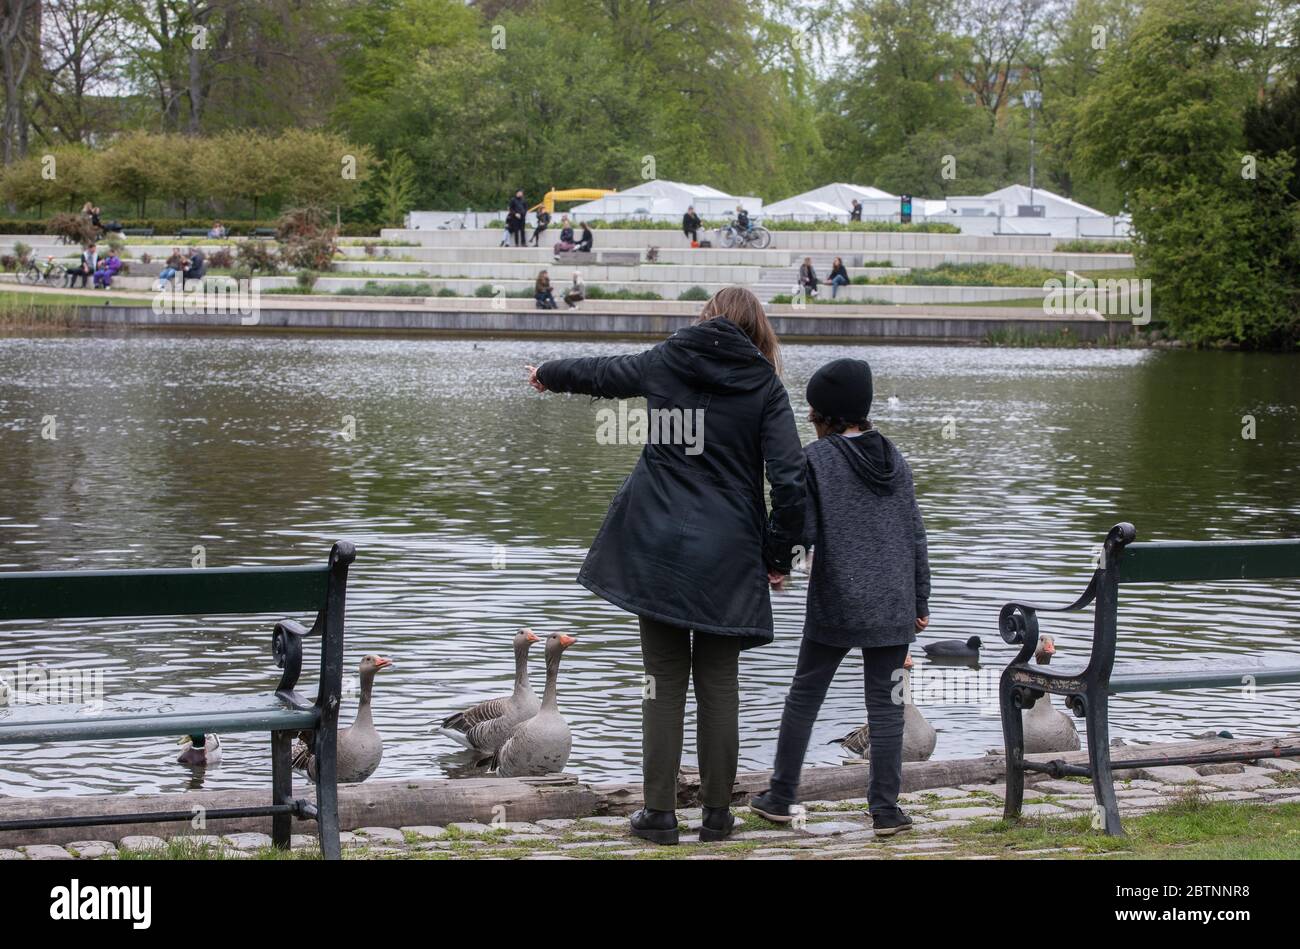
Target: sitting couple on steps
{"x":689,"y":547}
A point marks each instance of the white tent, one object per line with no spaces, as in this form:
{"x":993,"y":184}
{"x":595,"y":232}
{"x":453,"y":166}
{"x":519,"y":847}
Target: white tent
{"x":833,"y":201}
{"x":666,"y":200}
{"x":1006,"y":211}
{"x":1009,"y":200}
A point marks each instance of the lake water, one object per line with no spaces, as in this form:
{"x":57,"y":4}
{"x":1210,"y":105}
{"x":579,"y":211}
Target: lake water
{"x":472,"y":499}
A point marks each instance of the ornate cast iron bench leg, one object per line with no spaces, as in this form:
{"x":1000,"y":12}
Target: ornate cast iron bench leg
{"x":1106,"y":816}
{"x":1013,"y":734}
{"x":281,"y":787}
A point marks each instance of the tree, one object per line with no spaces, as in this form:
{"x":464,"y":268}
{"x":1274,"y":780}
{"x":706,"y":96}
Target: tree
{"x":136,"y":167}
{"x":396,"y":187}
{"x":1214,"y":226}
{"x":19,"y":30}
{"x":321,"y":168}
{"x":80,"y":42}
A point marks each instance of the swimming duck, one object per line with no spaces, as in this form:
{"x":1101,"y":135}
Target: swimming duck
{"x":919,"y":736}
{"x":541,"y":744}
{"x":201,"y":751}
{"x":486,"y":726}
{"x":1047,"y":728}
{"x":954,"y":648}
{"x":360,"y":747}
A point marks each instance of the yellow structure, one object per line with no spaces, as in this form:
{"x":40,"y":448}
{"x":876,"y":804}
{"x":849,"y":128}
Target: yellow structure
{"x":572,"y":194}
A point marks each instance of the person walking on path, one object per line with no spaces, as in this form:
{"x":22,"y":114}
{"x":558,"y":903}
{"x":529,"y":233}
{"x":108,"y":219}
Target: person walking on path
{"x":869,"y":589}
{"x":689,"y":544}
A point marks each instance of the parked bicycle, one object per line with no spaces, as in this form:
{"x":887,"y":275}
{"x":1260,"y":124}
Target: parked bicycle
{"x":50,"y":274}
{"x":757,"y":237}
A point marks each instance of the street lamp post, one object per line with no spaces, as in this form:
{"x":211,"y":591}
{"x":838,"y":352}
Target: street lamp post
{"x":1033,"y":99}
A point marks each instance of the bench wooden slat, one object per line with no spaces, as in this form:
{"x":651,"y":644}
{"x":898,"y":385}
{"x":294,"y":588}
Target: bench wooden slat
{"x":63,"y":594}
{"x":1171,"y":562}
{"x":1203,"y":674}
{"x":151,"y":717}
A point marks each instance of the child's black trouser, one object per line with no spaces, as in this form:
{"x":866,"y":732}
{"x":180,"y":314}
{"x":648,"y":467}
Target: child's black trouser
{"x":882,"y":670}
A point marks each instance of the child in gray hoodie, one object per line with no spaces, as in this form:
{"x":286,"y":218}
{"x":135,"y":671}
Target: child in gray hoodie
{"x":869,"y":587}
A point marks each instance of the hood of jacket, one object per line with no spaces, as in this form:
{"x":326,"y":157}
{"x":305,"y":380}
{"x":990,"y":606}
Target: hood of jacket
{"x":873,"y":458}
{"x":716,"y":356}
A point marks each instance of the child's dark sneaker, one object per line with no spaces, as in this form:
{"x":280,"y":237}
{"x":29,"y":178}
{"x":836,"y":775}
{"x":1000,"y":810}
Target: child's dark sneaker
{"x":717,"y":824}
{"x":658,"y":827}
{"x":887,"y":823}
{"x":766,"y":806}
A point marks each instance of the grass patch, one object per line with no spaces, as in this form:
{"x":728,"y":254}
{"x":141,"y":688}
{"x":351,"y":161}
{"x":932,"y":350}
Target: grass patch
{"x":1094,"y":247}
{"x":970,"y":275}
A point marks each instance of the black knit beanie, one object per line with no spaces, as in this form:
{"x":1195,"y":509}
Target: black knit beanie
{"x":841,"y":389}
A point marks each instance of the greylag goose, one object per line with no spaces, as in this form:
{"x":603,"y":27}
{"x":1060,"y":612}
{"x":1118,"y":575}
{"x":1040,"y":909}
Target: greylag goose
{"x":360,"y":747}
{"x":486,"y":726}
{"x":918,"y":735}
{"x":954,"y":649}
{"x":201,"y":751}
{"x":1047,"y":728}
{"x":541,"y":744}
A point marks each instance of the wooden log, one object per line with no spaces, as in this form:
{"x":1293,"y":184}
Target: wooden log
{"x":439,"y":802}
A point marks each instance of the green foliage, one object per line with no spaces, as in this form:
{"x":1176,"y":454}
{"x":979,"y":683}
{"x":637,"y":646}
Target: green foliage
{"x":694,"y":294}
{"x":971,"y":275}
{"x":1166,"y":120}
{"x":1093,"y":247}
{"x":396,"y":189}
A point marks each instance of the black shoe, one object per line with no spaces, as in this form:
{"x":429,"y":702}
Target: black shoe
{"x":888,"y":823}
{"x":767,"y":806}
{"x":658,"y":827}
{"x":717,"y":824}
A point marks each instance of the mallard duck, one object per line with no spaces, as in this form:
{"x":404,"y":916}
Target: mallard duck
{"x":201,"y":751}
{"x":486,"y":726}
{"x":1048,"y":728}
{"x":919,"y":736}
{"x":954,"y":648}
{"x":360,"y":747}
{"x":541,"y":744}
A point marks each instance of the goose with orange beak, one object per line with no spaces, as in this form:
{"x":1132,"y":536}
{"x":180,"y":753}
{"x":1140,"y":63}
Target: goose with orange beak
{"x":1048,"y":728}
{"x":486,"y":726}
{"x":360,"y":747}
{"x":541,"y":744}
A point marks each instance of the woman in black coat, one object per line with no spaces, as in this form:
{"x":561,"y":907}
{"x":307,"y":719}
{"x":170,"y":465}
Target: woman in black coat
{"x":515,"y":217}
{"x":688,"y":544}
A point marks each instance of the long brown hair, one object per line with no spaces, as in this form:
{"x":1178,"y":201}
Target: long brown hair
{"x":743,"y":308}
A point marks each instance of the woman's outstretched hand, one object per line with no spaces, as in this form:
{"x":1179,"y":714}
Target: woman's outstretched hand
{"x":776,"y":580}
{"x":533,"y":380}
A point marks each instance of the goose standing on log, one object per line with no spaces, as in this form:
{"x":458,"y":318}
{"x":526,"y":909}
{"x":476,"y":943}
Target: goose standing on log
{"x":541,"y":744}
{"x":486,"y":726}
{"x":360,"y":747}
{"x":919,"y":736}
{"x":1047,"y":728}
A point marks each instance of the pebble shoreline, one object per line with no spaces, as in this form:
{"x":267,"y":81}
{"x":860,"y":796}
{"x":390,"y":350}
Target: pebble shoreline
{"x":830,"y":830}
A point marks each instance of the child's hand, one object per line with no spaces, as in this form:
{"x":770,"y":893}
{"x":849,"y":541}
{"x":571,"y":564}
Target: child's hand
{"x":776,"y":580}
{"x":533,"y":380}
{"x":922,"y":622}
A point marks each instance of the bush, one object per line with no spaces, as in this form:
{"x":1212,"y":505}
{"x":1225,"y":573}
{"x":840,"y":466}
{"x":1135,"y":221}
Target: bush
{"x":222,"y":258}
{"x":72,"y":228}
{"x":9,"y":262}
{"x":1094,"y":247}
{"x":446,"y":292}
{"x":600,"y":293}
{"x":306,"y":280}
{"x":309,"y":240}
{"x":258,"y":257}
{"x":22,"y":251}
{"x":483,"y":290}
{"x":694,"y":294}
{"x":970,"y":275}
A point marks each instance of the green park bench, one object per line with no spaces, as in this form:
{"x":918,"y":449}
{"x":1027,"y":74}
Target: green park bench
{"x":1087,"y":690}
{"x":264,"y":232}
{"x":138,"y":232}
{"x":192,"y":232}
{"x":67,"y":594}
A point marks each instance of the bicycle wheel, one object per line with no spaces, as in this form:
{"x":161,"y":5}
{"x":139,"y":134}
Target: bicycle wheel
{"x":30,"y":276}
{"x":762,"y":238}
{"x":727,"y":238}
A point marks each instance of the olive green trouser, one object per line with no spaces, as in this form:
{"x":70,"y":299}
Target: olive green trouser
{"x":672,"y":656}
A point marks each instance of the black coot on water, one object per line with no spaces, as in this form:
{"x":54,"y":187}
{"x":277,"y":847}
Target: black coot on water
{"x":954,"y":648}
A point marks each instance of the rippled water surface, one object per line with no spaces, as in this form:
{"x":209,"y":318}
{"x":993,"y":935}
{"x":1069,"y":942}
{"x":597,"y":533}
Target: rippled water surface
{"x":471,"y":501}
